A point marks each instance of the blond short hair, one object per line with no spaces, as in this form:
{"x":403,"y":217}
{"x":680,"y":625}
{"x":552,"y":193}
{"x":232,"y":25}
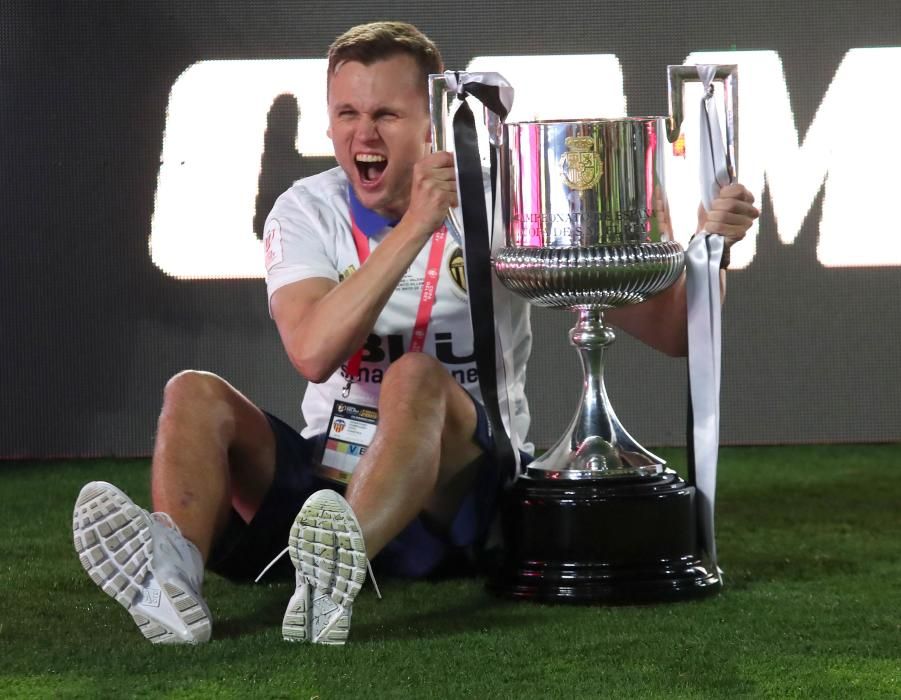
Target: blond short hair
{"x":376,"y":41}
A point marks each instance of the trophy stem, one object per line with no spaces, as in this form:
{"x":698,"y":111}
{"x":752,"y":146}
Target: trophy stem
{"x":595,"y":445}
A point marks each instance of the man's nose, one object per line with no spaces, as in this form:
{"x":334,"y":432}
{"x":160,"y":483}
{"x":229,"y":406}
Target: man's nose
{"x":367,"y":130}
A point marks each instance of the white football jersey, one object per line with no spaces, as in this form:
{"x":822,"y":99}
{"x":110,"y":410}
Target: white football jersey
{"x":308,"y":234}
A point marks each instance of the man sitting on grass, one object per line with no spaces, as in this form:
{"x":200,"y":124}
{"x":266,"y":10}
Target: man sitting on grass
{"x":233,"y":485}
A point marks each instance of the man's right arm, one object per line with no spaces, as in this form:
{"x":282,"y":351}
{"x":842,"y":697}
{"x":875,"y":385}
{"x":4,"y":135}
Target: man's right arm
{"x":322,"y":322}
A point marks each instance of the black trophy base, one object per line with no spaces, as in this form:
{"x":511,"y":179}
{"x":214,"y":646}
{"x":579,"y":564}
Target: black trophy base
{"x":609,"y":541}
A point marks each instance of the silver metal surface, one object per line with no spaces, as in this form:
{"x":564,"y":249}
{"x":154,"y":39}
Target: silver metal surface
{"x":438,"y":107}
{"x":595,"y":445}
{"x":584,"y":183}
{"x":587,"y":224}
{"x":597,"y":276}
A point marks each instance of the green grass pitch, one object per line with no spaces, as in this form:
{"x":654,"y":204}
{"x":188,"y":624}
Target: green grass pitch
{"x":809,"y":537}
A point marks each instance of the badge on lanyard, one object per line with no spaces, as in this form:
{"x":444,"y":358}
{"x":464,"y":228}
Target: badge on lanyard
{"x":351,"y":428}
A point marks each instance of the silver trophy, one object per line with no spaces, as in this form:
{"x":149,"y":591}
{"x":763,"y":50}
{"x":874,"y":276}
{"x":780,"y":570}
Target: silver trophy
{"x":587,"y":228}
{"x":598,"y":517}
{"x":585,"y":209}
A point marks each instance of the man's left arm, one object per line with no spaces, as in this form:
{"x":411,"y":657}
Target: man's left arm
{"x":661,"y":321}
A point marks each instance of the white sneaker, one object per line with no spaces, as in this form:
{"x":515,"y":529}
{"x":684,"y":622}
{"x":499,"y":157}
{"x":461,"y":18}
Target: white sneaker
{"x":144,"y":562}
{"x":326,"y":546}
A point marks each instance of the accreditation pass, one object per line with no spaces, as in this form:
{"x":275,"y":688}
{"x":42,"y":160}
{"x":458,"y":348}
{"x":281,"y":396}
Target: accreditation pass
{"x":351,"y":428}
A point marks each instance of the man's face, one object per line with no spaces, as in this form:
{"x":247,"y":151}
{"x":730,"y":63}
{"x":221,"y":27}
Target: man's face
{"x":379,"y":127}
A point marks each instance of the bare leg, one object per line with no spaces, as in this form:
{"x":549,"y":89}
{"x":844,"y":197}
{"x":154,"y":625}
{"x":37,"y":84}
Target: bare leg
{"x":418,"y":458}
{"x":214,"y":449}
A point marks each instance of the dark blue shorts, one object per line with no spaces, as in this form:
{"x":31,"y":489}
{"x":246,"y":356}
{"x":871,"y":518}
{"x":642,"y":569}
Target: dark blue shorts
{"x":422,"y":549}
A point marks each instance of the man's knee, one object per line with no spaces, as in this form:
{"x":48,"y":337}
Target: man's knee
{"x":416,"y":376}
{"x":415,"y":369}
{"x":194,"y":385}
{"x":192,"y":396}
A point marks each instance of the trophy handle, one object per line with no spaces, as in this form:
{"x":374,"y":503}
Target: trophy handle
{"x":438,"y":109}
{"x":677,"y":76}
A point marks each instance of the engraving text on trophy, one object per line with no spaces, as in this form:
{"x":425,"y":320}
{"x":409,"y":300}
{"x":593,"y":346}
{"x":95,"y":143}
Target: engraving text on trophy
{"x":577,"y":228}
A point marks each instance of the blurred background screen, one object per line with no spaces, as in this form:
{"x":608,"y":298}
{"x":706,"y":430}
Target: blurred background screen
{"x":143,"y":143}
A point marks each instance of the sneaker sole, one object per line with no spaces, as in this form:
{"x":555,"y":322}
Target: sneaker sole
{"x":295,"y":626}
{"x":326,"y":547}
{"x":112,"y":540}
{"x":302,"y":617}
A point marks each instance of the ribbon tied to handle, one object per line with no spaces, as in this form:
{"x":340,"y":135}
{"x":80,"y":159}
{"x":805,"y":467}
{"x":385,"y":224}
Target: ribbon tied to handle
{"x":702,"y":284}
{"x":496,"y":95}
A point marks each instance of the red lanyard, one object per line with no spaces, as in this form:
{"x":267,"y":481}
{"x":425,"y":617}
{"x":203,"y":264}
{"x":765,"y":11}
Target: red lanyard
{"x":426,"y":301}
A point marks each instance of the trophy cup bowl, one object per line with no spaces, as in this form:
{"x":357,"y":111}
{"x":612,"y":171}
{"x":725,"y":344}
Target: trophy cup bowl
{"x":596,"y":518}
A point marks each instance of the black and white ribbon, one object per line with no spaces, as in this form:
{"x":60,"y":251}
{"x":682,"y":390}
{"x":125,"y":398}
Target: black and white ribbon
{"x":496,"y":95}
{"x":715,"y":166}
{"x":702,"y":283}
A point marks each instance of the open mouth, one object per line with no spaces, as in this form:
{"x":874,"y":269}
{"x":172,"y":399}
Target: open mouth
{"x":370,"y":166}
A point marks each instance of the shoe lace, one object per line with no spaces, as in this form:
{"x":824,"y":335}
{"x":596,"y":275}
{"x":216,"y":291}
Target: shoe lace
{"x":278,"y":556}
{"x":270,"y":564}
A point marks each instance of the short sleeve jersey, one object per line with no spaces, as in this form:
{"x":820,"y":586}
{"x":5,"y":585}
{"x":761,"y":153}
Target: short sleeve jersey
{"x":308,"y":234}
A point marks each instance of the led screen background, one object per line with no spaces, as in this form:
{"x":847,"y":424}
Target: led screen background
{"x":91,"y":328}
